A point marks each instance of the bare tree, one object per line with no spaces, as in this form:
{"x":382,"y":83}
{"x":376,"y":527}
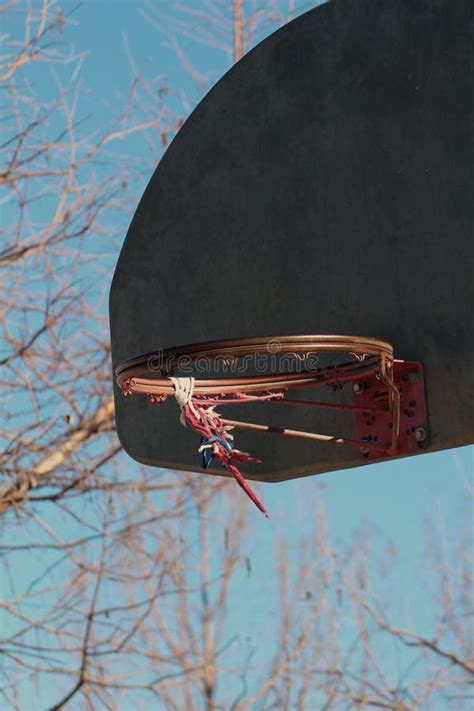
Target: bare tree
{"x":123,"y":585}
{"x":61,"y":189}
{"x":230,"y":27}
{"x":144,"y":608}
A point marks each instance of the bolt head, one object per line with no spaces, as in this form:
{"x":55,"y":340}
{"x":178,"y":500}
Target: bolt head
{"x":358,"y":388}
{"x":420,"y":434}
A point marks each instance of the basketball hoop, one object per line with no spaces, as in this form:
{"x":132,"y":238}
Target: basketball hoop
{"x":370,"y":368}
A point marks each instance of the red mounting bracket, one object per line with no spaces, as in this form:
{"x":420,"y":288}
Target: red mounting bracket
{"x":376,"y":427}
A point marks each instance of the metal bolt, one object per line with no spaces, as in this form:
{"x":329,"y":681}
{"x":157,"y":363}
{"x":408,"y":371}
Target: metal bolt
{"x":420,"y":434}
{"x":358,"y":388}
{"x":412,"y":377}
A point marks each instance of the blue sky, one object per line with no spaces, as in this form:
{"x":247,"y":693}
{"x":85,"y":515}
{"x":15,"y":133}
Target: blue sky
{"x":394,"y":499}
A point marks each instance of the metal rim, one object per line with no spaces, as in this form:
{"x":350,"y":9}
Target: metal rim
{"x":360,"y":346}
